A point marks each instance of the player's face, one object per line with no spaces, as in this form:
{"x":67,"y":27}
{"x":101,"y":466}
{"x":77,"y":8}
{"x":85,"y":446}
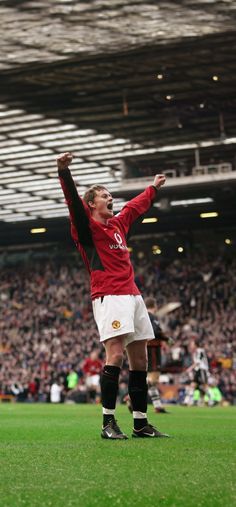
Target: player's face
{"x":103,"y":203}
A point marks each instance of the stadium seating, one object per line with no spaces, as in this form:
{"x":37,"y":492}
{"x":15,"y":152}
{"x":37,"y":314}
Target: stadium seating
{"x":47,"y":325}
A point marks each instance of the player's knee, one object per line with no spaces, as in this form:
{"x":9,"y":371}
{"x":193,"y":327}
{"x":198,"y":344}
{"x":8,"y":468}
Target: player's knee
{"x":139,"y":363}
{"x":116,"y":358}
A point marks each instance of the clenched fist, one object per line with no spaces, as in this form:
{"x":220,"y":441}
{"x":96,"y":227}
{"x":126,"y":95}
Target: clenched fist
{"x":64,"y":160}
{"x":159,"y":180}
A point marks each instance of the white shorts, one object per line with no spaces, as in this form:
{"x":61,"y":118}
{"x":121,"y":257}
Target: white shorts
{"x":92,"y":380}
{"x":122,"y":315}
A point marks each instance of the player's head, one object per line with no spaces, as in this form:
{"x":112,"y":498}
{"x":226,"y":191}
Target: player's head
{"x":100,"y":201}
{"x":151,"y":304}
{"x":94,"y":354}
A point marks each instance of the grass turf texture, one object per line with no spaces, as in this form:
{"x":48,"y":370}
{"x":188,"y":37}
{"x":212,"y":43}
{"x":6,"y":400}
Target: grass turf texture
{"x":54,"y":456}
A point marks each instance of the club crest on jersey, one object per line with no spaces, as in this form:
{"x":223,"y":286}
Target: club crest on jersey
{"x":116,"y":324}
{"x":118,"y":244}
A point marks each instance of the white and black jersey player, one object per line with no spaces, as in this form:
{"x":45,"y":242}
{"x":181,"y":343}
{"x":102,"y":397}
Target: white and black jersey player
{"x":199,"y":367}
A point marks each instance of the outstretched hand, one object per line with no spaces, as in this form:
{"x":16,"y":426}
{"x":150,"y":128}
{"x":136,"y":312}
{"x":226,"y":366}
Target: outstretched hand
{"x":159,"y":180}
{"x":64,"y":160}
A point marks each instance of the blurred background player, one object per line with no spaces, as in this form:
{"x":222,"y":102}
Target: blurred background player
{"x":92,"y":369}
{"x":199,"y":370}
{"x":56,"y":392}
{"x":154,"y":358}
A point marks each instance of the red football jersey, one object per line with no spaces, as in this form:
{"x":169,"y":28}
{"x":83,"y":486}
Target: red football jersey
{"x":92,"y":366}
{"x":103,"y":247}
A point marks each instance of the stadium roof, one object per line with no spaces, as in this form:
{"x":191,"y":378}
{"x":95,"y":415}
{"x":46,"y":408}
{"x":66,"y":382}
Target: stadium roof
{"x":49,"y":32}
{"x":117,"y":83}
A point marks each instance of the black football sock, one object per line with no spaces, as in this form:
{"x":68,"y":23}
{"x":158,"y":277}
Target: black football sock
{"x":138,"y":394}
{"x":109,"y":390}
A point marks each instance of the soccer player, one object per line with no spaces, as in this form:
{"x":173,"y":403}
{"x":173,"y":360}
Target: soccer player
{"x":200,"y":368}
{"x":92,"y":368}
{"x":154,"y":358}
{"x":119,"y":310}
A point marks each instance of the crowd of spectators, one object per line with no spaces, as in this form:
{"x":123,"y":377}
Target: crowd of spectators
{"x":47,"y":329}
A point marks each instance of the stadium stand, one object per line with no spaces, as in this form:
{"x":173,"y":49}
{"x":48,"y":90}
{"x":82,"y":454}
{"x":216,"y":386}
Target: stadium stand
{"x":47,"y":328}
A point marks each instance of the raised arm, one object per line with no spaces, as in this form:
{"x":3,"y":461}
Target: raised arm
{"x":140,"y":204}
{"x":79,"y":212}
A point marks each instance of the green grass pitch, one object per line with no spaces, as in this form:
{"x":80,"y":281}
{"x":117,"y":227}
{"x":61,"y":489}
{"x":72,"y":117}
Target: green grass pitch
{"x":53,"y":456}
